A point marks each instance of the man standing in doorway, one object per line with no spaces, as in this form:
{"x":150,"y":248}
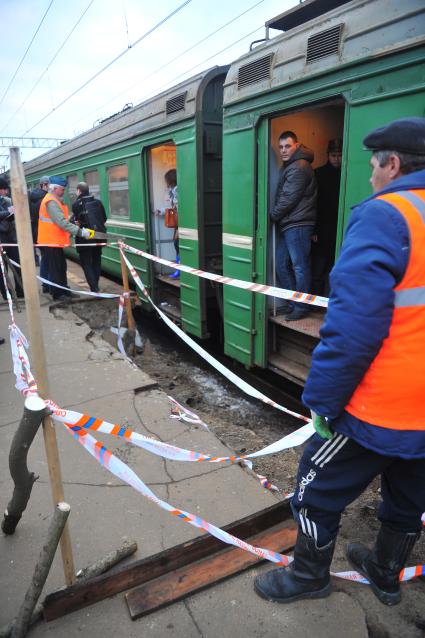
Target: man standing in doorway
{"x":89,"y":212}
{"x":367,"y":383}
{"x":328,"y":178}
{"x":55,"y":228}
{"x":294,"y":213}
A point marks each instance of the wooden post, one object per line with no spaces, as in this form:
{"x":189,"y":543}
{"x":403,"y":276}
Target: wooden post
{"x":130,"y":336}
{"x":130,"y":318}
{"x":32,"y":303}
{"x":41,"y":571}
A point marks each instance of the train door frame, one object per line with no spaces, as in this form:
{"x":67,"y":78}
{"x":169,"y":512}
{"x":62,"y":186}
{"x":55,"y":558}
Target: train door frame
{"x":165,"y":291}
{"x":263,"y":225}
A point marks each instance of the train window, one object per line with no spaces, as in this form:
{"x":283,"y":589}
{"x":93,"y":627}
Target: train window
{"x":118,"y":191}
{"x":92,"y":180}
{"x":72,"y":187}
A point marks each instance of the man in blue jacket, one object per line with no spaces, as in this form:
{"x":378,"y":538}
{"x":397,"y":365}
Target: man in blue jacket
{"x":367,"y":382}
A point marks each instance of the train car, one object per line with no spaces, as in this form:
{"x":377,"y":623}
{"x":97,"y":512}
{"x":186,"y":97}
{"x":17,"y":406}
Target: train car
{"x":337,"y":74}
{"x":340,"y":68}
{"x":124,"y":160}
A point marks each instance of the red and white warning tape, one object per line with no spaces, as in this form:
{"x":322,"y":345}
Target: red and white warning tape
{"x":271,"y":291}
{"x":79,"y":430}
{"x":78,"y":425}
{"x":228,"y":374}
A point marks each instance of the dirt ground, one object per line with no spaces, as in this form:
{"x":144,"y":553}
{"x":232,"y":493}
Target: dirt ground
{"x":246,"y":425}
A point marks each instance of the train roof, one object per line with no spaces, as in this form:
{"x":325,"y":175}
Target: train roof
{"x":349,"y":32}
{"x":178,"y":103}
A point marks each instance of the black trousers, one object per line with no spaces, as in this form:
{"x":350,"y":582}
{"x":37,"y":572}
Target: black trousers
{"x":333,"y":473}
{"x":56,"y":267}
{"x":90,"y":259}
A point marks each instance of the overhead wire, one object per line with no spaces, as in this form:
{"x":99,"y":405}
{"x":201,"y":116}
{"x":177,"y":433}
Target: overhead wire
{"x":48,"y":65}
{"x":25,"y":54}
{"x":120,"y":55}
{"x":166,"y":64}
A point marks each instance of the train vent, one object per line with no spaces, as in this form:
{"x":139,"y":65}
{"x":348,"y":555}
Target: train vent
{"x":176,"y":103}
{"x":324,"y":43}
{"x":255,"y":71}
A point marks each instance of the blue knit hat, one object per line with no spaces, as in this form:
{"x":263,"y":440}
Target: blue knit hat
{"x":57,"y":180}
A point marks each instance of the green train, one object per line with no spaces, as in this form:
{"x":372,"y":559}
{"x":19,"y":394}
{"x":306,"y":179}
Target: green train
{"x":339,"y":69}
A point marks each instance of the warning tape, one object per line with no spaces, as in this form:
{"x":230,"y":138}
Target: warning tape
{"x":102,"y":295}
{"x":122,"y":471}
{"x":183,"y":414}
{"x":25,"y":382}
{"x":113,"y":243}
{"x":83,"y":422}
{"x":272,"y":291}
{"x":231,"y":376}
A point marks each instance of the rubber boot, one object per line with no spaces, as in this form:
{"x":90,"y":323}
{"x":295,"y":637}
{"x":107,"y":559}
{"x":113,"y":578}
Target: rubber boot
{"x":306,"y":577}
{"x":176,"y":273}
{"x":382,"y":565}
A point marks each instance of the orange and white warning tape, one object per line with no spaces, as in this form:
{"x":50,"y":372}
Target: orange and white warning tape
{"x":228,"y":374}
{"x":118,"y":468}
{"x":272,"y":291}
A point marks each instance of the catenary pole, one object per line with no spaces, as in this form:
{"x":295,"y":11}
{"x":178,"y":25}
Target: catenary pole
{"x":32,"y":304}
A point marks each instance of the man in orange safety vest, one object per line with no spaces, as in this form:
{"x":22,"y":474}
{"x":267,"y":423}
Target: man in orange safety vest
{"x":367,"y":383}
{"x":54,"y":231}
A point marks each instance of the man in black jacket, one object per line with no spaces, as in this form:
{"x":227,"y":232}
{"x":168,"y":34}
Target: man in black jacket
{"x":89,"y":212}
{"x":294,"y":213}
{"x":328,"y":179}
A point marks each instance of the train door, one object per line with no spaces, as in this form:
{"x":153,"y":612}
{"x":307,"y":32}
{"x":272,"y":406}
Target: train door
{"x":163,"y":195}
{"x":287,"y":345}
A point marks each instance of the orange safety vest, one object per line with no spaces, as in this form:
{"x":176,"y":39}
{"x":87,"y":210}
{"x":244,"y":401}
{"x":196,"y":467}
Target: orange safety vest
{"x":391,"y":393}
{"x":48,"y":231}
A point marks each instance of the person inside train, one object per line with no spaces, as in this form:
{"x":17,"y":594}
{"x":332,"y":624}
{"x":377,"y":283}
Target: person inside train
{"x":328,"y":178}
{"x":170,"y":213}
{"x":89,"y":212}
{"x":294,"y":213}
{"x":367,"y":382}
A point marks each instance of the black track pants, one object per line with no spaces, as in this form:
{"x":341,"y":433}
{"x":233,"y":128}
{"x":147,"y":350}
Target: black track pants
{"x":333,"y":473}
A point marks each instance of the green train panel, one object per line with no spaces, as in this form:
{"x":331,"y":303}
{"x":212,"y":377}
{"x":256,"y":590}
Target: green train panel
{"x":337,"y":76}
{"x":124,"y":161}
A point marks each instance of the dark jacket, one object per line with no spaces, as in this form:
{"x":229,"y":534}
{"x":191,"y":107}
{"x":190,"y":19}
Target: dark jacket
{"x":89,"y":212}
{"x":296,"y":192}
{"x":373,"y":260}
{"x":328,"y":180}
{"x":7,"y":222}
{"x":35,"y":198}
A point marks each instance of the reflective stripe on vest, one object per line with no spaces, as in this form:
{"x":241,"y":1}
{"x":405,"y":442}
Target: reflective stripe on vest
{"x":48,"y":231}
{"x":390,"y":395}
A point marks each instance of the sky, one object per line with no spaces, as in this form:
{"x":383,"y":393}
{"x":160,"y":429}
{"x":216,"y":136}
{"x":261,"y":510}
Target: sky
{"x":51,"y":48}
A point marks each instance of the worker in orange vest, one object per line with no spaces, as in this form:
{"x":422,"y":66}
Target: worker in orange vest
{"x":367,"y":383}
{"x":54,"y":228}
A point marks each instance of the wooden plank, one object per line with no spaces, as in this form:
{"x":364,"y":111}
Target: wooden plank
{"x":136,"y":573}
{"x":185,"y":581}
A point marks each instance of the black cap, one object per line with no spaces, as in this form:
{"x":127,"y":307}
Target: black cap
{"x":406,"y":135}
{"x":335,"y":146}
{"x":3,"y":183}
